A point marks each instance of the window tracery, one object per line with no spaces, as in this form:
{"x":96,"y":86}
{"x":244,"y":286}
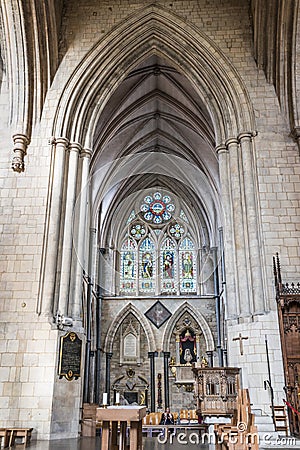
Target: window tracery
{"x":158,"y":252}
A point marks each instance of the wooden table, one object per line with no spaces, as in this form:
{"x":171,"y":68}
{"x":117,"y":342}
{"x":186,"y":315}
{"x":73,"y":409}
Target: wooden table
{"x":123,"y":414}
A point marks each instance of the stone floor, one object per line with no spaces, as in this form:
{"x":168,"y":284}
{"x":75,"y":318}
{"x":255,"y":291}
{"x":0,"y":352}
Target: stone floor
{"x":151,"y":443}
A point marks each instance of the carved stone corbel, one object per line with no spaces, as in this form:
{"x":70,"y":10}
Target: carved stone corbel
{"x":295,"y":133}
{"x":21,"y":142}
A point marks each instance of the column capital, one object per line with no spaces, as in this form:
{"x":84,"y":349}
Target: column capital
{"x":109,"y":355}
{"x":231,"y":141}
{"x":86,"y":153}
{"x":152,"y":355}
{"x":60,"y":141}
{"x":247,"y":135}
{"x":74,"y":147}
{"x":220,"y":149}
{"x":167,"y":354}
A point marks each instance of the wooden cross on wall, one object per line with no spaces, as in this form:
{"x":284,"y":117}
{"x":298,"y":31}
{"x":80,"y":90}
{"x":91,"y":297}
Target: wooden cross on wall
{"x":240,"y":338}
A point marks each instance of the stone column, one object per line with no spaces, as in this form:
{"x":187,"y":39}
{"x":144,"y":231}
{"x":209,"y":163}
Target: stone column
{"x":198,"y":347}
{"x":107,"y":376}
{"x":252,"y":223}
{"x":47,"y":290}
{"x":177,"y":349}
{"x":81,"y":235}
{"x":151,"y":356}
{"x":223,"y":156}
{"x":166,"y":378}
{"x":240,"y":244}
{"x":64,"y":287}
{"x":210,"y":358}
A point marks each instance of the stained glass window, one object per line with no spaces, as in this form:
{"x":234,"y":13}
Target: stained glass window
{"x":157,"y":208}
{"x":131,"y":216}
{"x":158,"y":254}
{"x":187,"y":258}
{"x":138,"y":231}
{"x":176,"y":230}
{"x":147,"y":269}
{"x":168,"y":266}
{"x":128,"y":266}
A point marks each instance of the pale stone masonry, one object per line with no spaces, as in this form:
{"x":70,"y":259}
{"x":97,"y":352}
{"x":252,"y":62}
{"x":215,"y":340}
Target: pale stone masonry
{"x":51,"y":225}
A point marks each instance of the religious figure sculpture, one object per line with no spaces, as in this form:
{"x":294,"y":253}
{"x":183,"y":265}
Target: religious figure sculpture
{"x":204,"y":362}
{"x":188,"y":356}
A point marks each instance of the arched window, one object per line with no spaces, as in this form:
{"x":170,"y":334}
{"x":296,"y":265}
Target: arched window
{"x":128,"y":266}
{"x":147,"y":266}
{"x":158,"y":254}
{"x":168,"y":269}
{"x":187,"y":258}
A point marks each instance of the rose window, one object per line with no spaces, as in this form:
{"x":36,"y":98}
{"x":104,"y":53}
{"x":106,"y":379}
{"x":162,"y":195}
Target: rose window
{"x":157,"y":208}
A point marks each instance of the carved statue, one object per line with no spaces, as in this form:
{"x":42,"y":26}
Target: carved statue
{"x":188,"y":356}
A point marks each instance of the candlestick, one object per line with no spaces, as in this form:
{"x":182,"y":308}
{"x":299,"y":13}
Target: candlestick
{"x":117,"y":398}
{"x":104,"y":399}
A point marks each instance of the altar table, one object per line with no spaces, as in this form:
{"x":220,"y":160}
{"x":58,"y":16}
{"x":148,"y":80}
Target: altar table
{"x":110,"y":417}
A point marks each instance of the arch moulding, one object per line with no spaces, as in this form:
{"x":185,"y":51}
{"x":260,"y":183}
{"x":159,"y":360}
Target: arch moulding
{"x":111,"y":333}
{"x":153,"y":30}
{"x":180,"y":311}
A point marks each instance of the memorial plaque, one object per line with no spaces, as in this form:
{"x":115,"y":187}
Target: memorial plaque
{"x":130,"y":344}
{"x":158,"y":314}
{"x":69,"y":356}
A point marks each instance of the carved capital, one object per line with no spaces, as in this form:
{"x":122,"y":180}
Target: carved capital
{"x":75,"y":147}
{"x":231,"y":141}
{"x":220,"y":149}
{"x":21,"y":142}
{"x":295,"y":133}
{"x":86,"y":153}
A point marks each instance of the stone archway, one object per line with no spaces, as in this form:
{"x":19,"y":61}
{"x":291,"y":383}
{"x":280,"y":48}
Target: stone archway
{"x":203,"y":325}
{"x":129,"y":308}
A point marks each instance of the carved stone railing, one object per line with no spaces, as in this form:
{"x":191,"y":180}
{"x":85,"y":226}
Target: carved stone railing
{"x":216,"y":390}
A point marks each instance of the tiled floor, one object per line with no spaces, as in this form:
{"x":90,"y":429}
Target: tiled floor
{"x":95,"y":444}
{"x":149,"y":444}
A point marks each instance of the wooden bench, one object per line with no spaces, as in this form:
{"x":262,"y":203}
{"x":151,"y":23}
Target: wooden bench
{"x":9,"y":436}
{"x":241,"y":433}
{"x":4,"y":437}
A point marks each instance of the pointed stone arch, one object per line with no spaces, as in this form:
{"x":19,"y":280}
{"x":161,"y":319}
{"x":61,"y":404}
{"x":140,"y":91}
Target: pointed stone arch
{"x":153,"y":30}
{"x":111,"y":333}
{"x":188,"y":308}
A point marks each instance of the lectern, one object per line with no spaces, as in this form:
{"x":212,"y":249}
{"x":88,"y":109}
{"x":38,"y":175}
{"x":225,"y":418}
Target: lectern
{"x":110,"y":417}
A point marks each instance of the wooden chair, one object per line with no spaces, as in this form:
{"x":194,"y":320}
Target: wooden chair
{"x":23,"y":433}
{"x":4,"y":437}
{"x":184,"y":414}
{"x":241,"y":433}
{"x":193,"y":415}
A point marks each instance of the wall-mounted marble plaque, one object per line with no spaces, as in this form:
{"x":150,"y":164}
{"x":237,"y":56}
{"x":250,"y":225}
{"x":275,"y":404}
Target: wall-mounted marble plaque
{"x":69,"y":356}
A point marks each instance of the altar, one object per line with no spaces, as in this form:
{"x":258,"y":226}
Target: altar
{"x":111,"y":416}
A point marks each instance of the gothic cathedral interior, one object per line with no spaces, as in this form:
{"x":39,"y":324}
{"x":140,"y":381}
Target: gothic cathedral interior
{"x":150,"y":205}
